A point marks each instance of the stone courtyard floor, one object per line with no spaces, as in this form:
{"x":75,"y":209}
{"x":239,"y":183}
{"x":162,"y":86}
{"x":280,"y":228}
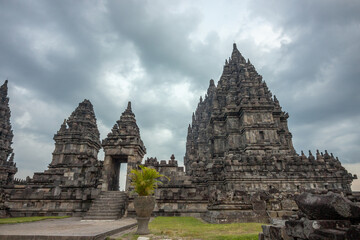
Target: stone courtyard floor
{"x":65,"y":229}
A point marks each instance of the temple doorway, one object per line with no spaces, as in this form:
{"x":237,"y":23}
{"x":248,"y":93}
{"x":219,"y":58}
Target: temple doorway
{"x":117,"y":173}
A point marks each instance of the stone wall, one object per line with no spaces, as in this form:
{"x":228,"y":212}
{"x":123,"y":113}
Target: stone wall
{"x":177,"y":197}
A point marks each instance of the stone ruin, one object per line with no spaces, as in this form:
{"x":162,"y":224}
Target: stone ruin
{"x":321,"y":217}
{"x":240,"y":163}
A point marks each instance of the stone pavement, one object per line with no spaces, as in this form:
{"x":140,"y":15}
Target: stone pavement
{"x":65,"y":229}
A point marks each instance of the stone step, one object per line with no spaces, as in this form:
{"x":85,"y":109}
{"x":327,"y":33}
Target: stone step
{"x":97,"y":208}
{"x":105,"y":209}
{"x":99,"y":218}
{"x":105,"y":213}
{"x":108,"y":208}
{"x":108,"y":205}
{"x":122,"y":195}
{"x":114,"y":197}
{"x":108,"y":202}
{"x":113,"y":193}
{"x":111,"y":199}
{"x":114,"y":214}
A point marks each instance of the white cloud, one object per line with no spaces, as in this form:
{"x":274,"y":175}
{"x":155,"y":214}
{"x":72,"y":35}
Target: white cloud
{"x":264,"y":35}
{"x":120,"y":79}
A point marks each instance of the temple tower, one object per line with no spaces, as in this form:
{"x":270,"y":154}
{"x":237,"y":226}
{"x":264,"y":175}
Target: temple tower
{"x":7,"y":165}
{"x":238,"y":116}
{"x":122,"y":145}
{"x":239,"y":145}
{"x":72,"y":180}
{"x":78,"y":139}
{"x":77,"y":143}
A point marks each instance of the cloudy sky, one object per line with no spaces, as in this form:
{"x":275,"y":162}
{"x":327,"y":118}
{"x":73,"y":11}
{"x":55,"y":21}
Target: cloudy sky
{"x":161,"y":55}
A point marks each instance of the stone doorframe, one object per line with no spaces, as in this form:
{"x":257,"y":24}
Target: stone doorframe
{"x":114,"y":155}
{"x":113,"y":169}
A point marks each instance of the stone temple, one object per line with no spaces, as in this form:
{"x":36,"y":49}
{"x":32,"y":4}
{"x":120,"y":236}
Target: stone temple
{"x":240,"y":163}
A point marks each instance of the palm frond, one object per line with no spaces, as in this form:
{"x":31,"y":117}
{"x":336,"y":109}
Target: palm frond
{"x":144,"y":180}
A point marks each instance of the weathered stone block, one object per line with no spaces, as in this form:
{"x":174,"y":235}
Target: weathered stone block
{"x":295,"y":228}
{"x":327,"y":234}
{"x":330,"y":206}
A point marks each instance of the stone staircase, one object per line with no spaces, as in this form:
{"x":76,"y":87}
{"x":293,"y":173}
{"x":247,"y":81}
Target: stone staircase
{"x":109,"y":205}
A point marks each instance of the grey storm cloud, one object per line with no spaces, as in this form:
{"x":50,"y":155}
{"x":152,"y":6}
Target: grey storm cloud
{"x":161,"y":55}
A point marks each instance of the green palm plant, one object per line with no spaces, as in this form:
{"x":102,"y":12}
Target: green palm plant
{"x":144,"y":180}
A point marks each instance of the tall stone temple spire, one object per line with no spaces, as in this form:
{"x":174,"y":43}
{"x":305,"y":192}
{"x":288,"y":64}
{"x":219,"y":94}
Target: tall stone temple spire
{"x":239,"y":116}
{"x":239,"y":139}
{"x":7,"y":165}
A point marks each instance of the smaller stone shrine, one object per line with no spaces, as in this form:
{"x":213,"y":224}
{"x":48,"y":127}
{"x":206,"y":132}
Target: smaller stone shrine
{"x":122,"y":145}
{"x":73,"y":178}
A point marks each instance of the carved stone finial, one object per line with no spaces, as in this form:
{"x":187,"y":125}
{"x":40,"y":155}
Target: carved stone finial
{"x":326,"y":155}
{"x":63,"y":126}
{"x":172,"y":157}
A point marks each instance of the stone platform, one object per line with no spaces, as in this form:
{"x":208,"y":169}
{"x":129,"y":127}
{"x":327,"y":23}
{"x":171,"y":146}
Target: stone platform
{"x":64,"y":229}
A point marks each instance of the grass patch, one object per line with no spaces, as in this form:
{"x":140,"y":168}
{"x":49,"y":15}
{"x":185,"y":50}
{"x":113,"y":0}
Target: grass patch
{"x":193,"y":228}
{"x":27,"y":219}
{"x":190,"y":227}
